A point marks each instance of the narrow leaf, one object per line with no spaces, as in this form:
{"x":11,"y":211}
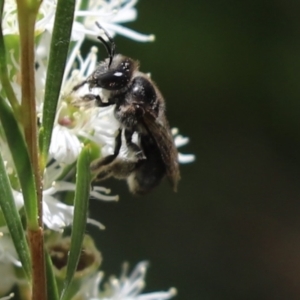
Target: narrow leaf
{"x":51,"y":281}
{"x":21,"y":160}
{"x":13,"y":220}
{"x":3,"y":69}
{"x":80,"y":216}
{"x":58,"y":55}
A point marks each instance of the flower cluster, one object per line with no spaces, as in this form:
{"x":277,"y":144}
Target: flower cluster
{"x":74,"y":126}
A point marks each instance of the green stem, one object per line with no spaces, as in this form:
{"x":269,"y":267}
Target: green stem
{"x":27,"y":17}
{"x":27,"y":13}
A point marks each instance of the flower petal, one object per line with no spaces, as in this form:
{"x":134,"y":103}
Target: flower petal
{"x":65,"y":146}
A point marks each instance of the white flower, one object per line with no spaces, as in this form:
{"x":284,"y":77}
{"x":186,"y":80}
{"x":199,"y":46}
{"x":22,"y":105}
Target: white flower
{"x":102,"y":128}
{"x":109,"y":14}
{"x":124,"y":288}
{"x":65,"y":145}
{"x":56,"y":214}
{"x":72,"y":123}
{"x":179,"y":141}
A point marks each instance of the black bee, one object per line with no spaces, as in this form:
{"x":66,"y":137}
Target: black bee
{"x":140,"y":108}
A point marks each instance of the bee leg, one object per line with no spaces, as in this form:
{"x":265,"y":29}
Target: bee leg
{"x":97,"y":164}
{"x":100,"y":103}
{"x":91,"y":100}
{"x":97,"y":99}
{"x":106,"y":172}
{"x":119,"y":169}
{"x":132,"y":146}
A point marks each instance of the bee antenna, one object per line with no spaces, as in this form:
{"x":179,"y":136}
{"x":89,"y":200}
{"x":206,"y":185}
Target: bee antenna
{"x":110,"y":48}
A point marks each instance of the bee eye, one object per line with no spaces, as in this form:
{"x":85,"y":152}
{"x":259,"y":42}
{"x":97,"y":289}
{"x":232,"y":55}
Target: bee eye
{"x":113,"y":80}
{"x":143,"y":90}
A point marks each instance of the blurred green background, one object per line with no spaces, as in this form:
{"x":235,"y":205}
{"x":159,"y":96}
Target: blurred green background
{"x":229,"y":71}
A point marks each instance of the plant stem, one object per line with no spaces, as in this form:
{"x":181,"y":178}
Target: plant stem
{"x":36,"y":241}
{"x":26,"y":27}
{"x":27,"y":12}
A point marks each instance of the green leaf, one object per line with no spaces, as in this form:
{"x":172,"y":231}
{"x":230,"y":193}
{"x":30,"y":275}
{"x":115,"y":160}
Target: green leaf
{"x":80,"y":215}
{"x":57,"y":60}
{"x":51,"y":281}
{"x":13,"y":220}
{"x":22,"y":163}
{"x":3,"y":69}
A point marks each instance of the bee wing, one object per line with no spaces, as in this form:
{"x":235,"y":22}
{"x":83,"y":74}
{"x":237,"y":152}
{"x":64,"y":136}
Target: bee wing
{"x":160,"y":131}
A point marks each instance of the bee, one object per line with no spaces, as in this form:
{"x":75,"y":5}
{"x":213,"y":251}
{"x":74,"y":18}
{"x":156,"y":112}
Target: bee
{"x":140,"y":109}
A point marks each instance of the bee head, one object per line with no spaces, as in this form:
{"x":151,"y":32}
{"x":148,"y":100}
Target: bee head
{"x":116,"y":71}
